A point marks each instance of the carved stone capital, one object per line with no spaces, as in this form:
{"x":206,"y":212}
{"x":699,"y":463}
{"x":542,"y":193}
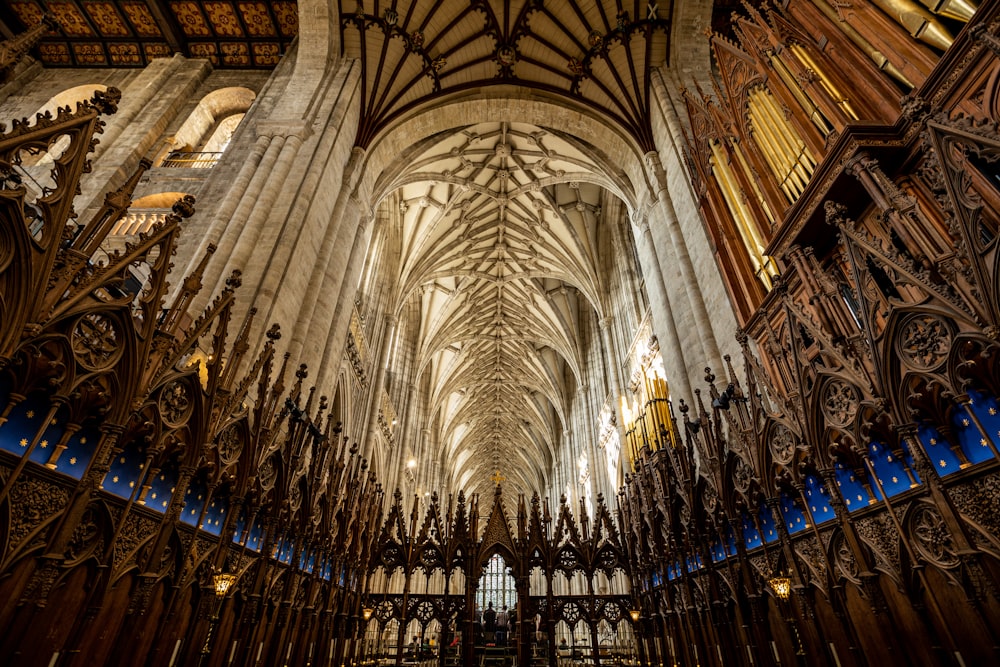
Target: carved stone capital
{"x":276,"y":128}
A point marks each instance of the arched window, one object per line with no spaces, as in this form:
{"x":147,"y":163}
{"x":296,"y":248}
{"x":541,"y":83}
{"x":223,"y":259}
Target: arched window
{"x":205,"y":135}
{"x":223,"y":134}
{"x":35,"y":167}
{"x":496,"y":586}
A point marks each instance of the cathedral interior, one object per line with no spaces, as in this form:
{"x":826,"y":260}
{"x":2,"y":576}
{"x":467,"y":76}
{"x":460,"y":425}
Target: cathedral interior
{"x":499,"y":332}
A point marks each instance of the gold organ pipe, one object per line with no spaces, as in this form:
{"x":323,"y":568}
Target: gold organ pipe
{"x":795,"y":147}
{"x":773,"y":118}
{"x":919,"y":22}
{"x":960,"y":10}
{"x":753,"y":182}
{"x":841,"y":100}
{"x":736,"y":206}
{"x":795,"y":163}
{"x":815,"y":115}
{"x":876,"y":56}
{"x":764,"y":131}
{"x":745,"y":223}
{"x":785,"y":134}
{"x":798,"y":146}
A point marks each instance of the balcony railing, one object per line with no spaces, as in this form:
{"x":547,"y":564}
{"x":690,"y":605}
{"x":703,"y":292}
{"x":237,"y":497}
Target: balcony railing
{"x":139,"y":221}
{"x":190,"y":160}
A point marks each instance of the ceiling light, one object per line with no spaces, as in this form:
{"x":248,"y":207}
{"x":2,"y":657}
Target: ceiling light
{"x":412,"y":463}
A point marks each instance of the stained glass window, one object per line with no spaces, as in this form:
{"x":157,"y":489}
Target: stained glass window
{"x":496,"y":586}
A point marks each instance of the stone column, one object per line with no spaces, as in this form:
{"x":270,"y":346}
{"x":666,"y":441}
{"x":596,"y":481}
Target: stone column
{"x":664,"y":323}
{"x":668,"y":215}
{"x":234,"y":226}
{"x":232,"y":199}
{"x":588,"y":430}
{"x":283,"y":150}
{"x":333,"y":328}
{"x":334,"y":254}
{"x":378,"y":384}
{"x":614,"y":372}
{"x":394,"y":473}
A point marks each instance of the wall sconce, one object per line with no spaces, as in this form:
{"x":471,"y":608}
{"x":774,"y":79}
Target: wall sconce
{"x":366,"y":613}
{"x":223,"y":582}
{"x":782,"y":587}
{"x":634,"y":613}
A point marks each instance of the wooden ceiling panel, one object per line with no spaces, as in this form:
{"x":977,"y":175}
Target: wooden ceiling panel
{"x":131,"y":33}
{"x":257,"y":19}
{"x":70,"y":19}
{"x":191,"y":19}
{"x":287,"y":16}
{"x":125,"y":54}
{"x":266,"y":54}
{"x":107,"y":19}
{"x":29,"y":13}
{"x":235,"y":54}
{"x":89,"y":53}
{"x":222,"y":16}
{"x":141,"y":19}
{"x":55,"y":53}
{"x":156,"y":50}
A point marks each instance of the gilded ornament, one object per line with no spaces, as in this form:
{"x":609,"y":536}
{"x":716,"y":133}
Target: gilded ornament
{"x":782,"y":445}
{"x":175,"y":403}
{"x":95,"y":341}
{"x":506,"y":56}
{"x":230,"y":444}
{"x":840,"y":402}
{"x":931,"y":537}
{"x":924,"y":341}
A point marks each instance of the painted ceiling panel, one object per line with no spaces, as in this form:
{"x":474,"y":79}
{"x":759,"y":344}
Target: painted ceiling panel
{"x":131,"y":33}
{"x":141,"y":19}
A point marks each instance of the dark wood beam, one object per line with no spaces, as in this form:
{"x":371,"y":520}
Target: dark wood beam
{"x":168,"y":25}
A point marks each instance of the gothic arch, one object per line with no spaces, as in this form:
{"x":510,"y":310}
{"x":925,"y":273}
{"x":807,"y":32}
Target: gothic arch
{"x":212,"y":110}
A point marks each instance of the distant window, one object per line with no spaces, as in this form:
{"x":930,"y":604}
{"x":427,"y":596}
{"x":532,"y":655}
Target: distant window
{"x":496,"y":586}
{"x":847,"y":294}
{"x":223,"y":134}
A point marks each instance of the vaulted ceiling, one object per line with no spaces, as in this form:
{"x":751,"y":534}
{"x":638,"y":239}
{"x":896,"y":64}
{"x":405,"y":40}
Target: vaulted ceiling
{"x":597,"y":54}
{"x":499,"y":243}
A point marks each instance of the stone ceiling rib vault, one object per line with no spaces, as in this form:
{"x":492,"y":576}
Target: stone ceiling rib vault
{"x":500,"y":221}
{"x":598,"y":54}
{"x":498,"y":241}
